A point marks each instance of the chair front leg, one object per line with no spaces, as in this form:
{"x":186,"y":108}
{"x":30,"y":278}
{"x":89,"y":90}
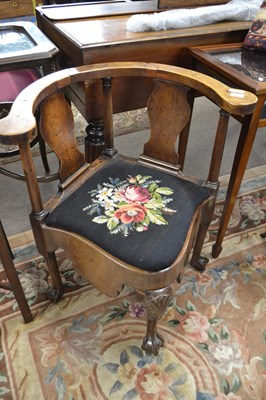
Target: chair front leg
{"x":156,"y":302}
{"x":54,"y":294}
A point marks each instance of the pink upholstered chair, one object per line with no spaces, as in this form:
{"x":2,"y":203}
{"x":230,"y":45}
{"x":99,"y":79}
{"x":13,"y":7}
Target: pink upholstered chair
{"x":11,"y":84}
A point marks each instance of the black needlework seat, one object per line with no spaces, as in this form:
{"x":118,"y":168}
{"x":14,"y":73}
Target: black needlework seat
{"x":156,"y":212}
{"x":124,"y":221}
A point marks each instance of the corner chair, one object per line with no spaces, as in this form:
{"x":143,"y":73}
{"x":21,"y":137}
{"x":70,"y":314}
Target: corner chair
{"x":123,"y":221}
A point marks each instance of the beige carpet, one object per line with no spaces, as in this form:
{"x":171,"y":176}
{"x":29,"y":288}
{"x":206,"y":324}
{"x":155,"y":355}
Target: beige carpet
{"x":88,"y":346}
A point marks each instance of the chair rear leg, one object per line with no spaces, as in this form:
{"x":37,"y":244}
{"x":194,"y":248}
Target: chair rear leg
{"x":156,"y":302}
{"x":197,"y":261}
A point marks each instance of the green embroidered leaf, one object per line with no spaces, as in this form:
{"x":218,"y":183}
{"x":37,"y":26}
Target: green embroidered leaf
{"x":173,"y":322}
{"x":164,"y":190}
{"x":236,"y":383}
{"x":157,"y":198}
{"x":152,"y":187}
{"x":121,"y":203}
{"x":143,"y":179}
{"x":225,"y":387}
{"x":213,"y":336}
{"x":100,"y":220}
{"x":224,"y":333}
{"x":108,"y":317}
{"x":121,"y":315}
{"x":156,"y":218}
{"x":125,"y":304}
{"x":115,"y":308}
{"x":181,"y":310}
{"x":109,"y":213}
{"x":154,"y":205}
{"x":203,"y":346}
{"x":215,"y":321}
{"x":112,"y":223}
{"x":190,"y":306}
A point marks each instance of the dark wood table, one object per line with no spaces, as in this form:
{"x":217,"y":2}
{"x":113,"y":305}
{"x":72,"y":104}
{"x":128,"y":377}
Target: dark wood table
{"x":94,"y":33}
{"x":244,"y":69}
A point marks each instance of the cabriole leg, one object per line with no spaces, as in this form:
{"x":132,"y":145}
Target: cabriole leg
{"x":156,"y":302}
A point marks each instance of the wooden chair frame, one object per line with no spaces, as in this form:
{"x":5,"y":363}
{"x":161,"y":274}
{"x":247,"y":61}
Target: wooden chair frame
{"x":175,"y":85}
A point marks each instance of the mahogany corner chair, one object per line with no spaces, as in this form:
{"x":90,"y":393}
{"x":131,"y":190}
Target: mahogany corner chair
{"x":123,"y":221}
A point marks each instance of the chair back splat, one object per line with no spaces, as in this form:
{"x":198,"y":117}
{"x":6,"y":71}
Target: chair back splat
{"x":124,"y":221}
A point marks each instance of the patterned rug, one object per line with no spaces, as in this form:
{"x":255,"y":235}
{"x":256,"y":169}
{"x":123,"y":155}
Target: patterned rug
{"x":88,"y":346}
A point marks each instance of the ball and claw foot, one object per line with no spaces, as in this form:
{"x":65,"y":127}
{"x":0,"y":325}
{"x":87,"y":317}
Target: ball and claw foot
{"x":54,"y":295}
{"x":152,"y":344}
{"x":200,"y":264}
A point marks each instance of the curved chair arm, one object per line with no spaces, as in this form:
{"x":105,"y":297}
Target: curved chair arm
{"x":15,"y":125}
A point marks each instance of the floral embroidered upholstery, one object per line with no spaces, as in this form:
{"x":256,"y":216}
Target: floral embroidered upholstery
{"x":130,"y":204}
{"x":256,"y":36}
{"x":139,"y":215}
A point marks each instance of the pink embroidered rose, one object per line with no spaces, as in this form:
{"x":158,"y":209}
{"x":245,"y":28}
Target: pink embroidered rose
{"x":130,"y":213}
{"x":136,"y":194}
{"x":195,"y":325}
{"x":152,"y":383}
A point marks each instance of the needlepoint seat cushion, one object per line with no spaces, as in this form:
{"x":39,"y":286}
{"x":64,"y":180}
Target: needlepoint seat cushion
{"x":138,"y":214}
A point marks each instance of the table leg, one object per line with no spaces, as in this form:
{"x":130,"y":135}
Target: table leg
{"x":243,"y":150}
{"x":10,"y":270}
{"x":94,"y":141}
